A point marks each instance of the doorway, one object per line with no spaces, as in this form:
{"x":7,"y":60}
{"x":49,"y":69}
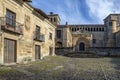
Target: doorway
{"x":37,"y":52}
{"x":9,"y":51}
{"x":81,"y":46}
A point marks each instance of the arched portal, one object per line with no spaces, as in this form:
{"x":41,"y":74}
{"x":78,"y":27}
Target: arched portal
{"x":82,"y":46}
{"x":59,"y":44}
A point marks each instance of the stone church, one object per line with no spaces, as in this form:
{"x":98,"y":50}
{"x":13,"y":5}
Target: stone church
{"x":29,"y":34}
{"x":85,"y":37}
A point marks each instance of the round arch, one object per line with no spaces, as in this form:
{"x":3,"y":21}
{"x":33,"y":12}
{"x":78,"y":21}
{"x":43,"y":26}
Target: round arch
{"x":81,"y":46}
{"x":59,"y":44}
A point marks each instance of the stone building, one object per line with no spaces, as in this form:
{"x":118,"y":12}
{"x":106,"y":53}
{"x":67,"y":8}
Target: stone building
{"x":26,"y":34}
{"x":86,"y":36}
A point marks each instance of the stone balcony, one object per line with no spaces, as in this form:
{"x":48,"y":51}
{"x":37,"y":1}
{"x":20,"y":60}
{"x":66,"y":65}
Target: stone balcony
{"x":11,"y":26}
{"x":39,"y":37}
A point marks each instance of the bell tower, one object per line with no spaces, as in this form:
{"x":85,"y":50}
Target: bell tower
{"x":54,"y":18}
{"x":111,"y":24}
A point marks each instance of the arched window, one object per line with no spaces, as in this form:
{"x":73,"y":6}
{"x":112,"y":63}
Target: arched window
{"x":97,"y":29}
{"x":54,"y":19}
{"x":102,"y":29}
{"x":88,"y":29}
{"x":72,"y":29}
{"x":94,"y":29}
{"x":75,"y":29}
{"x":91,"y":29}
{"x":51,"y":19}
{"x":83,"y":28}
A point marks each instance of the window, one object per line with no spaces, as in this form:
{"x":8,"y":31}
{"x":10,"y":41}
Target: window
{"x":37,"y":32}
{"x":102,"y":29}
{"x":82,"y":28}
{"x":50,"y":36}
{"x":97,"y":29}
{"x":51,"y":19}
{"x":94,"y":29}
{"x":94,"y":41}
{"x":10,"y":18}
{"x":72,"y":29}
{"x":59,"y":33}
{"x":110,"y":23}
{"x":88,"y":29}
{"x":75,"y":29}
{"x":54,"y":19}
{"x":91,"y":29}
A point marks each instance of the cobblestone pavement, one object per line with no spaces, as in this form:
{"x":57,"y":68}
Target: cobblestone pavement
{"x":64,"y":68}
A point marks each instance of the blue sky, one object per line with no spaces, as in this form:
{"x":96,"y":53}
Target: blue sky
{"x":79,"y":11}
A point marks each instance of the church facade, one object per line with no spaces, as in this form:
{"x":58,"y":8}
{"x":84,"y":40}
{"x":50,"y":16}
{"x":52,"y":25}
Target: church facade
{"x":84,"y":37}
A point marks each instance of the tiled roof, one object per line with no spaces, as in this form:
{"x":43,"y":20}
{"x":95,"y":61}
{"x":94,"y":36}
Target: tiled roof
{"x":41,"y":12}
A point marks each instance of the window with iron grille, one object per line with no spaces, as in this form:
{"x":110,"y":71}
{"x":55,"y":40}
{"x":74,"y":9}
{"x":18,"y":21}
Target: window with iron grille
{"x":10,"y":18}
{"x":37,"y":32}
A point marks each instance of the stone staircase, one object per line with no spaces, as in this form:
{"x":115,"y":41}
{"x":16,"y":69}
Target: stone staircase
{"x":82,"y":55}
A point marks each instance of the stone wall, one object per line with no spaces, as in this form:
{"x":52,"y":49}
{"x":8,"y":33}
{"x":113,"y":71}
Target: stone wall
{"x":63,"y":51}
{"x":106,"y":51}
{"x":101,"y":51}
{"x":118,"y":39}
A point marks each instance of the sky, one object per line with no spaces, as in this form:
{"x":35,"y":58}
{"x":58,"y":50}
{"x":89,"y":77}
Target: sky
{"x":79,"y":11}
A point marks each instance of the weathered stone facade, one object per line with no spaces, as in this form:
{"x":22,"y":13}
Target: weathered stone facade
{"x":26,"y":39}
{"x":84,"y":37}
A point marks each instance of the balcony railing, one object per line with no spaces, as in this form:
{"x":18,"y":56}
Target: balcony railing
{"x":11,"y":26}
{"x":39,"y":37}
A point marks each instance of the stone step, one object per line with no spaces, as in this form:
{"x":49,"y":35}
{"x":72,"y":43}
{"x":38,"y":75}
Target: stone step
{"x":82,"y":55}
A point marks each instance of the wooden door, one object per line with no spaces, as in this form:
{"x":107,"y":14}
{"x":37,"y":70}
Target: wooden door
{"x":81,"y":46}
{"x":37,"y":52}
{"x":9,"y":51}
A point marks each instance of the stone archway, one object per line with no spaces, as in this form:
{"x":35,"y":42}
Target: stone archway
{"x":81,"y":46}
{"x":59,"y":45}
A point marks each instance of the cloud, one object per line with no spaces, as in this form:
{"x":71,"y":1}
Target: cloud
{"x":70,"y":12}
{"x":79,"y":11}
{"x":99,"y":9}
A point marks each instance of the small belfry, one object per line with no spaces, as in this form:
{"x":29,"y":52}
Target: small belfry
{"x":54,"y":18}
